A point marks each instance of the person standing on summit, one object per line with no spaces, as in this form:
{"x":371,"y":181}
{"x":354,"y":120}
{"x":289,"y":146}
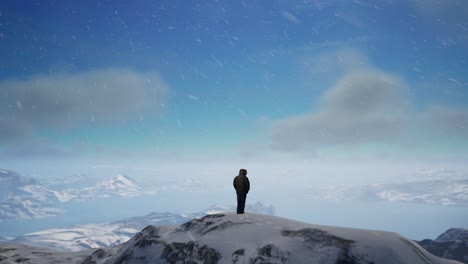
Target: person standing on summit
{"x":242,"y":185}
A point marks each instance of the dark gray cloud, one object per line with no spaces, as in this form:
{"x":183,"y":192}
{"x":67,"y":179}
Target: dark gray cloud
{"x":368,"y":106}
{"x":32,"y":148}
{"x":363,"y":91}
{"x":11,"y":130}
{"x":363,"y":106}
{"x":448,"y":9}
{"x":68,"y":100}
{"x":446,"y":122}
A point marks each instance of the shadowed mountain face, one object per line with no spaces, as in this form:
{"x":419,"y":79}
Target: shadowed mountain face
{"x":452,"y":244}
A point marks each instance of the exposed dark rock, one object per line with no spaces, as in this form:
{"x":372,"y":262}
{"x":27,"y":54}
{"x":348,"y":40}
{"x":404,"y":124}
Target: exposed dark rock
{"x":150,"y":229}
{"x":239,"y":252}
{"x":199,"y":223}
{"x":42,"y":253}
{"x":96,"y":255}
{"x":223,"y":226}
{"x":207,"y":224}
{"x":316,"y":239}
{"x":236,"y":255}
{"x":2,"y":250}
{"x":21,"y":260}
{"x":270,"y":254}
{"x":148,"y":241}
{"x":189,"y":253}
{"x":311,"y":235}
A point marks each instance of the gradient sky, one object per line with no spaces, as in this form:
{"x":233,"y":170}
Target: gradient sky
{"x":323,"y":79}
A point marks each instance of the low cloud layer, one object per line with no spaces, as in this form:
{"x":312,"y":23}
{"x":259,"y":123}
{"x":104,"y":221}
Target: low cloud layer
{"x":367,"y":106}
{"x":70,"y":100}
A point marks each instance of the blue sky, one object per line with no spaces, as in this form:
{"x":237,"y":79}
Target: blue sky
{"x":193,"y":78}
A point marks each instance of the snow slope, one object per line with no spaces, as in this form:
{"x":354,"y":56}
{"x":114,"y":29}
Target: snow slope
{"x":255,"y":238}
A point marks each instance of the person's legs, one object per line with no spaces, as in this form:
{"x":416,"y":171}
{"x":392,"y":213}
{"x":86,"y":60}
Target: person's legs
{"x":239,"y":203}
{"x":244,"y":197}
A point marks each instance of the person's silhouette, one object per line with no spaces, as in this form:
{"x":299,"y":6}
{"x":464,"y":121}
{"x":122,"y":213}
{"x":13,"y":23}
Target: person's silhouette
{"x":242,"y":185}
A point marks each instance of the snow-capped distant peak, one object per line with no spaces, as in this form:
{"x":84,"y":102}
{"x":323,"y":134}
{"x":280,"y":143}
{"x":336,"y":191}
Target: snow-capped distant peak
{"x":453,"y":234}
{"x":120,"y":182}
{"x":215,"y":209}
{"x":119,"y":185}
{"x":452,"y":244}
{"x":125,"y":180}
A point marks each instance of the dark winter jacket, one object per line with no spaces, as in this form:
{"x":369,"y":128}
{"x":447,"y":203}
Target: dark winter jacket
{"x":241,"y":184}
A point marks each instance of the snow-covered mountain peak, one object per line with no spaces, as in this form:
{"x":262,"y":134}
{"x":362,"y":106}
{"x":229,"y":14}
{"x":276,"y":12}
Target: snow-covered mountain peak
{"x":120,"y":185}
{"x":120,"y":182}
{"x":255,"y":238}
{"x":452,"y":244}
{"x":453,"y":234}
{"x":232,"y":238}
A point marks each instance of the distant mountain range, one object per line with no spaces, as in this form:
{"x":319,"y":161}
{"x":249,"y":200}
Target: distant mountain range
{"x":82,"y":237}
{"x":120,"y":185}
{"x":248,"y":238}
{"x":26,"y":198}
{"x":435,"y":192}
{"x":452,"y":244}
